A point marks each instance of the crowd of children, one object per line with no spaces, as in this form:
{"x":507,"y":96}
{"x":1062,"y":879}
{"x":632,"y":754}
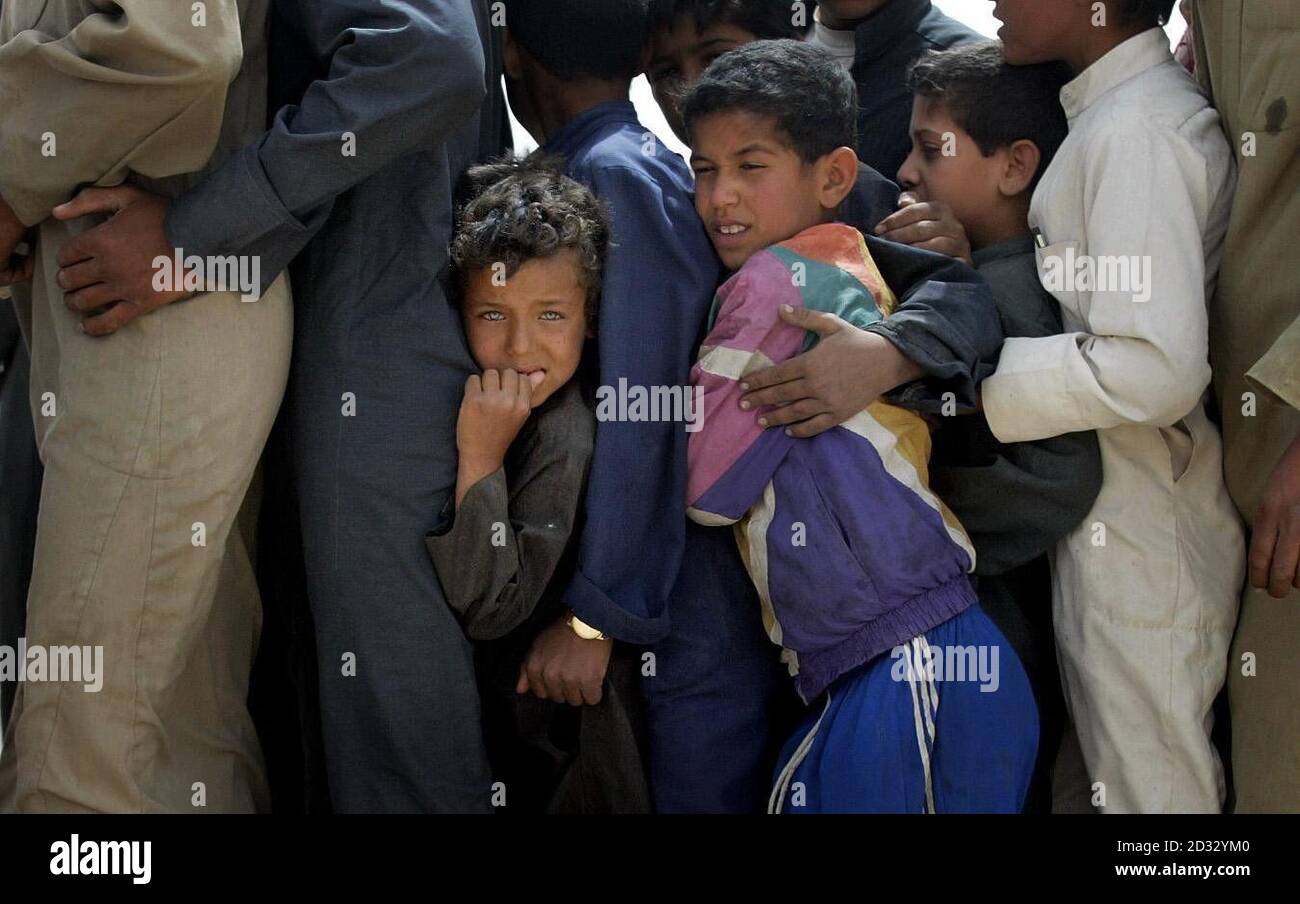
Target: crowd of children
{"x":947,"y":529}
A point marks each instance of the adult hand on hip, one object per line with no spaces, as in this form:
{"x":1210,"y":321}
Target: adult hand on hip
{"x":107,"y":272}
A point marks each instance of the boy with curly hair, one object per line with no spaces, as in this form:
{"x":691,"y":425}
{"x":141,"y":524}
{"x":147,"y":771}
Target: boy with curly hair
{"x":528,"y":256}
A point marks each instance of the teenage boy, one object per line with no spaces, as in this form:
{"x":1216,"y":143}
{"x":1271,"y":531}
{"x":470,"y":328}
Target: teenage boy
{"x":853,"y":556}
{"x":1130,"y":220}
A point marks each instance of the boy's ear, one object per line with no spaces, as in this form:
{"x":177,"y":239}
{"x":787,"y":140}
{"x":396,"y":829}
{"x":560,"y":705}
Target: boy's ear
{"x":837,"y":176}
{"x":1022,"y":161}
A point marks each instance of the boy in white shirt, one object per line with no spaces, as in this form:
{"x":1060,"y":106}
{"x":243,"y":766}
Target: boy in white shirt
{"x":1130,"y":220}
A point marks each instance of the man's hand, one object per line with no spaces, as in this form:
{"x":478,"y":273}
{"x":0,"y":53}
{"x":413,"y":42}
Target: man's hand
{"x":926,"y":224}
{"x":1275,"y":535}
{"x":562,"y":667}
{"x":12,"y":232}
{"x":847,"y":371}
{"x":107,"y":272}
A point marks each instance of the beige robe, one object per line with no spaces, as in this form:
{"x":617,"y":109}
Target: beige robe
{"x":1248,"y":57}
{"x":149,"y":437}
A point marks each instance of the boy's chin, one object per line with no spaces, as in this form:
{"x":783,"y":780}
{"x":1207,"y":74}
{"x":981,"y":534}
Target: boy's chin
{"x":734,"y":258}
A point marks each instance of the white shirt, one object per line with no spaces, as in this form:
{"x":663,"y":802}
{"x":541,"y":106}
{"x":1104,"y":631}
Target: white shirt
{"x":842,"y":44}
{"x":1145,"y":589}
{"x":1145,"y":173}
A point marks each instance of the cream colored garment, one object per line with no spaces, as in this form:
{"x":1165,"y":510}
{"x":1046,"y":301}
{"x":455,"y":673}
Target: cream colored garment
{"x":149,"y":437}
{"x":1145,"y":589}
{"x":1248,"y":55}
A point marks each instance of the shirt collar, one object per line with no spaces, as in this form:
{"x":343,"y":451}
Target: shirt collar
{"x":880,"y":32}
{"x":1021,"y":244}
{"x":574,"y":132}
{"x":1123,"y":63}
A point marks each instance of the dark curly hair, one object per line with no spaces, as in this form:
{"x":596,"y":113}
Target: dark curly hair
{"x":520,"y":210}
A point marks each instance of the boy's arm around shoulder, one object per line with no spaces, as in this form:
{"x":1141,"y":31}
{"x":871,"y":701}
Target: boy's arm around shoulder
{"x":502,"y":547}
{"x":945,"y":322}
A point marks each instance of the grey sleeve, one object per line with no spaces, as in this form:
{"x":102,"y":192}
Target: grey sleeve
{"x":498,"y":554}
{"x":400,"y":77}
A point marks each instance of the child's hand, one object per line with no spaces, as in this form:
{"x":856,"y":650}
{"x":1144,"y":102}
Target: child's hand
{"x":493,"y":410}
{"x":564,"y":668}
{"x":926,"y":224}
{"x":845,"y":372}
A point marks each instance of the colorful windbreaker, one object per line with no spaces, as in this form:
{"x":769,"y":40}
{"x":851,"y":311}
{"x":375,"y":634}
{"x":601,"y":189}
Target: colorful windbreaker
{"x":850,"y":551}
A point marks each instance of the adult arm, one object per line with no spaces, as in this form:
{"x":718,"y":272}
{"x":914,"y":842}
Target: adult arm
{"x":402,"y":76}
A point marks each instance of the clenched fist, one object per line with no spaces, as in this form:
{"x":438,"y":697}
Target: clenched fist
{"x":492,"y":412}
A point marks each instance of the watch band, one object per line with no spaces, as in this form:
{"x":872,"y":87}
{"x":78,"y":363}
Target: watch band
{"x":584,"y":630}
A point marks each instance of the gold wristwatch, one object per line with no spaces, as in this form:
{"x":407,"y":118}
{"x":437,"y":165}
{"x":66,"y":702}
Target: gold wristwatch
{"x":584,"y":630}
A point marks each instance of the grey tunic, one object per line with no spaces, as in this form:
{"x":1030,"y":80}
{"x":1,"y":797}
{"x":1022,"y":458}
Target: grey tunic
{"x":503,"y":560}
{"x":497,"y":554}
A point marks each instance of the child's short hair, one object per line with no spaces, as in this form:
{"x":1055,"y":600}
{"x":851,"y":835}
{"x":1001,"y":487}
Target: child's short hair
{"x":811,"y":97}
{"x":997,"y":104}
{"x":521,"y":210}
{"x":577,"y":39}
{"x":1154,"y":12}
{"x":764,"y":19}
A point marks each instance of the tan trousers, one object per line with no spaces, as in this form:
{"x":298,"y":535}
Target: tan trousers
{"x":1248,"y":56}
{"x":150,"y":438}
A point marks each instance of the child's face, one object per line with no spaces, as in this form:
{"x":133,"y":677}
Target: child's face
{"x":679,"y":54}
{"x":1040,"y":31}
{"x":533,"y":321}
{"x":752,"y":191}
{"x":946,"y":165}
